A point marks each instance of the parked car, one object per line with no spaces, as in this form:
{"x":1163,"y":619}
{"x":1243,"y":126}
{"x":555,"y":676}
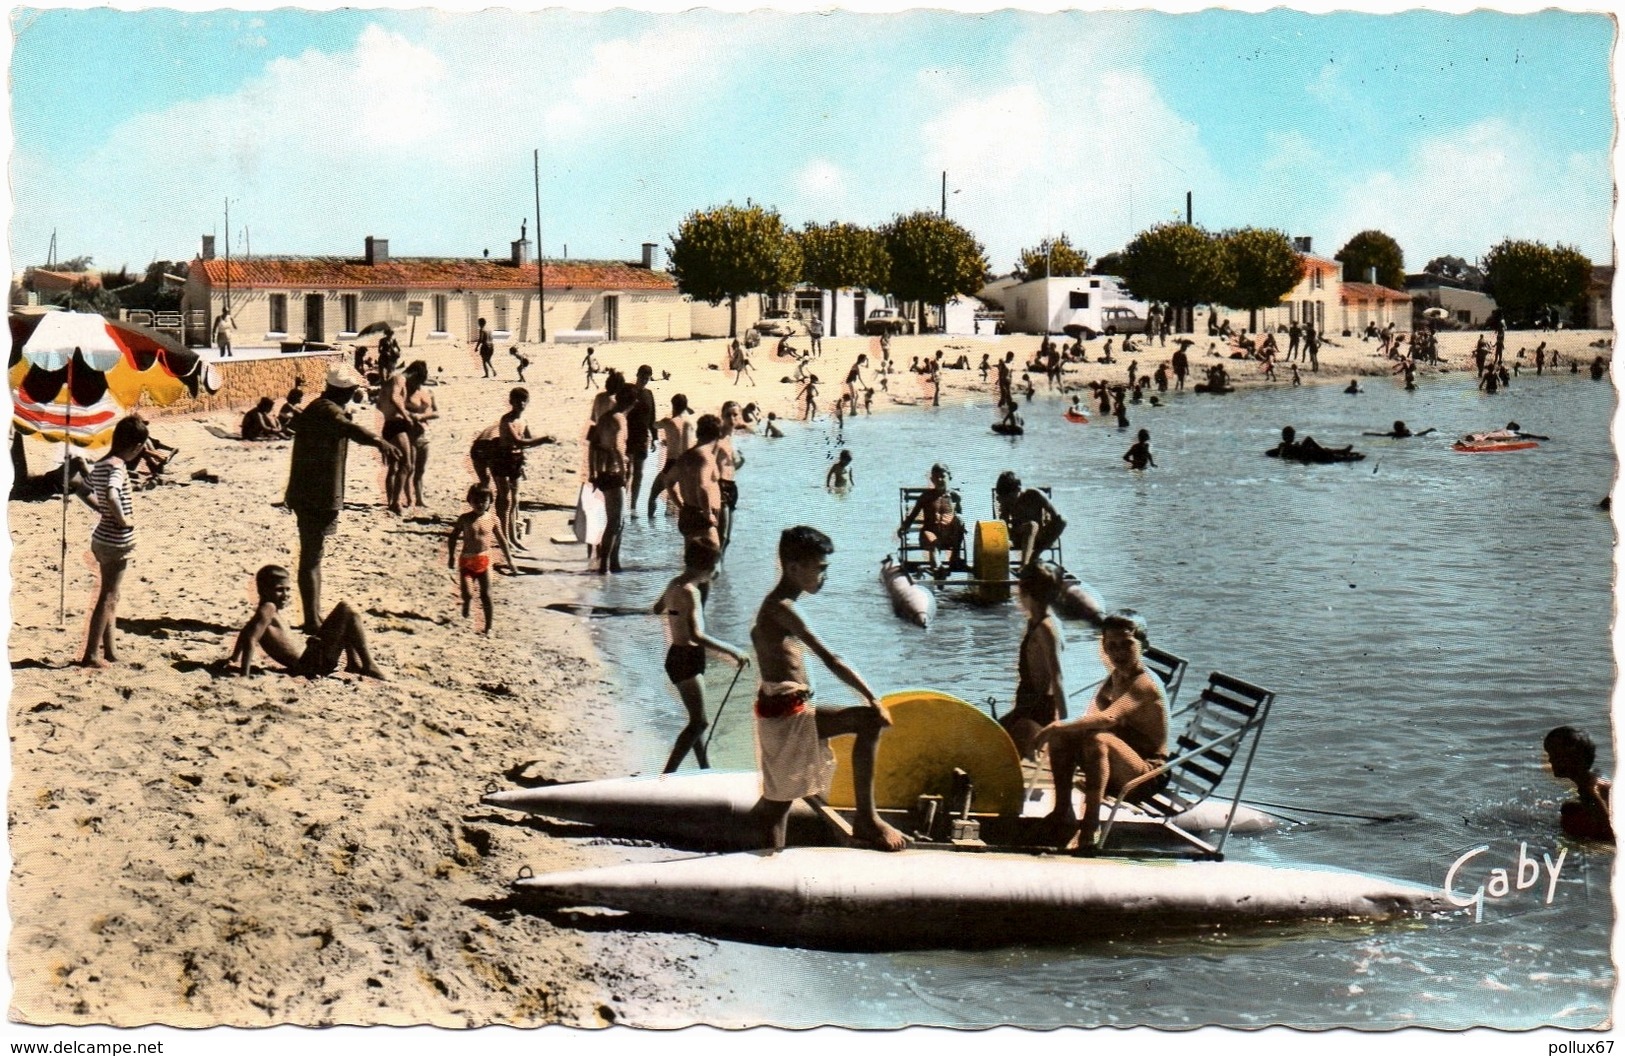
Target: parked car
{"x":776,"y":322}
{"x":1120,"y":320}
{"x":887,"y":321}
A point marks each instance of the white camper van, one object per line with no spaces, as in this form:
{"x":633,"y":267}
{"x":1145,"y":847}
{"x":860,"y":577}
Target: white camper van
{"x":1097,"y":303}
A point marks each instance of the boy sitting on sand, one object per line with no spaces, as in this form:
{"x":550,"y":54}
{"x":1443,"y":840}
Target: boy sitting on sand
{"x":340,"y":637}
{"x":792,"y":737}
{"x":480,"y":531}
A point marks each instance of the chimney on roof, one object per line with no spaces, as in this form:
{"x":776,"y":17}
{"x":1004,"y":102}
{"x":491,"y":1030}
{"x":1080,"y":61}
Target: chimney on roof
{"x":208,"y":248}
{"x":650,"y":252}
{"x":519,"y":252}
{"x":1371,"y":274}
{"x":377,"y":250}
{"x":1303,"y":244}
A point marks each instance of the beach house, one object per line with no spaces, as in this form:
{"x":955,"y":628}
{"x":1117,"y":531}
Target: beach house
{"x":282,"y":299}
{"x":1468,"y":306}
{"x":1365,"y":303}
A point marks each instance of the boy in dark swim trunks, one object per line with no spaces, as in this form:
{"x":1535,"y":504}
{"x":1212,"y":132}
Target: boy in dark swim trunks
{"x":792,"y":737}
{"x":683,"y":605}
{"x":340,"y":637}
{"x":1040,"y":692}
{"x":1571,"y":755}
{"x":479,"y":531}
{"x":1035,"y":524}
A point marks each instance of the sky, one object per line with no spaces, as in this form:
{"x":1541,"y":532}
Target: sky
{"x":133,"y":129}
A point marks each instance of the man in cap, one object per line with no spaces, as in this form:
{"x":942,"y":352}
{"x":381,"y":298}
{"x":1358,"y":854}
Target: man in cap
{"x":321,"y":442}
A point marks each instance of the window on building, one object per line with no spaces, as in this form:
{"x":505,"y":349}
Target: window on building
{"x":352,"y":310}
{"x":440,"y":313}
{"x":499,"y":312}
{"x":1079,"y":299}
{"x":279,"y":313}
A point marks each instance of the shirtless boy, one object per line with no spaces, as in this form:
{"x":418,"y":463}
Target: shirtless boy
{"x":1123,"y":735}
{"x":609,"y":469}
{"x":682,"y":603}
{"x":340,"y":636}
{"x":480,"y":532}
{"x":696,"y":481}
{"x":1040,"y":692}
{"x":1572,"y":754}
{"x":676,"y":431}
{"x":792,"y":736}
{"x":1034,"y":522}
{"x":940,"y":526}
{"x":728,"y":463}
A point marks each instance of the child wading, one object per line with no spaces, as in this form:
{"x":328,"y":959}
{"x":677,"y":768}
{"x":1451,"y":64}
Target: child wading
{"x":682,"y":603}
{"x":340,"y":637}
{"x":480,"y":531}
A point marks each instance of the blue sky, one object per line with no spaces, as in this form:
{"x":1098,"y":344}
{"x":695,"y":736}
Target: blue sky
{"x":1448,"y":131}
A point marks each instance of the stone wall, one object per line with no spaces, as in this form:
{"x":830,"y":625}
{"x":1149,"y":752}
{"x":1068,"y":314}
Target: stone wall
{"x":243,"y":383}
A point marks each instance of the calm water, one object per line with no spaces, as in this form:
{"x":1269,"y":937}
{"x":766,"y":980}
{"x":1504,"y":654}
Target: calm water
{"x":1423,"y":616}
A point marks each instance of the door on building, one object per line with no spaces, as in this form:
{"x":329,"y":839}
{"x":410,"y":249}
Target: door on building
{"x":860,"y":312}
{"x":315,"y":325}
{"x":471,"y":314}
{"x":612,"y":317}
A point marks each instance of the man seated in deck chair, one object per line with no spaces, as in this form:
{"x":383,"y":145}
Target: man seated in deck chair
{"x":1123,"y":735}
{"x":940,"y":526}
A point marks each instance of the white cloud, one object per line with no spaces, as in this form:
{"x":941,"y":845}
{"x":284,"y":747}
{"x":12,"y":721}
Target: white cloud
{"x":1463,"y":192}
{"x":1083,"y":147}
{"x":631,"y":76}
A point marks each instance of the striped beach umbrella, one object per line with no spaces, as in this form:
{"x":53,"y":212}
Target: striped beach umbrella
{"x":73,"y":374}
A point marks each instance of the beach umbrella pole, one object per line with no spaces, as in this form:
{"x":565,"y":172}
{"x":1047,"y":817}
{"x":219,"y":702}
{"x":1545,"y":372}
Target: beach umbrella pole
{"x":67,"y":462}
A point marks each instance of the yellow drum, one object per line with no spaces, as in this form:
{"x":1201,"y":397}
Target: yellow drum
{"x":931,"y":734}
{"x":990,"y":561}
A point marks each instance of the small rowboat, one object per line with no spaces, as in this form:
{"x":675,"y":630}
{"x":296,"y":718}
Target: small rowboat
{"x":909,"y":600}
{"x":1077,"y":417}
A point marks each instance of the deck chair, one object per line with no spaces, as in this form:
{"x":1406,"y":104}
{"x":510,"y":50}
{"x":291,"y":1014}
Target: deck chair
{"x":1229,"y":717}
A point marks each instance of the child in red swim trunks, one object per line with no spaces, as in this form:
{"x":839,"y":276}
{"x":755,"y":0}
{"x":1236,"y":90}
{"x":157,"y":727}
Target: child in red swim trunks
{"x":479,"y":530}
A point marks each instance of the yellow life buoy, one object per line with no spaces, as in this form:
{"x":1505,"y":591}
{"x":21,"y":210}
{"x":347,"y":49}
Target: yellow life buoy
{"x":931,"y":734}
{"x":990,"y":563}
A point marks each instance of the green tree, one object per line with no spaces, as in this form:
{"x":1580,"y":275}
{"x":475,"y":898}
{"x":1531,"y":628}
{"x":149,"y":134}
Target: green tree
{"x":1456,"y":269}
{"x":87,"y":296}
{"x":1263,"y":268}
{"x":152,"y":292}
{"x":1525,"y":277}
{"x":1052,"y":257}
{"x":1373,"y":249}
{"x":837,"y":256}
{"x":933,"y":260}
{"x":723,"y":253}
{"x":1180,"y":264}
{"x":1110,"y":263}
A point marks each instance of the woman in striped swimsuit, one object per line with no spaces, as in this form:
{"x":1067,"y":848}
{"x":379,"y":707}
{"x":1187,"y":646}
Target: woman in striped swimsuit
{"x":114,"y":535}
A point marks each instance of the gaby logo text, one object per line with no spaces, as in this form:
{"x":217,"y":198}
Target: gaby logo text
{"x":1500,"y":882}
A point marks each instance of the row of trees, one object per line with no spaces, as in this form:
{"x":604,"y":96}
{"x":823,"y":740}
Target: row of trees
{"x":117,"y":290}
{"x":729,"y":251}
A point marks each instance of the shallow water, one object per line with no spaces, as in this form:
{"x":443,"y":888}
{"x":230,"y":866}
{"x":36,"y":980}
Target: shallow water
{"x":1424,"y":617}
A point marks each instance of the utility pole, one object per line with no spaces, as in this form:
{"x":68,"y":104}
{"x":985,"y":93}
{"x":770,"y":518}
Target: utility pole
{"x":945,"y":193}
{"x":1188,"y":207}
{"x":541,"y":278}
{"x":228,"y":255}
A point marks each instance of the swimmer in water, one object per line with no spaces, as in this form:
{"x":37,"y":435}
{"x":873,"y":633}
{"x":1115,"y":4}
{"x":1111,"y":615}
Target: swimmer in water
{"x":840,"y":475}
{"x":1401,"y":431}
{"x":1571,"y":755}
{"x":1139,"y":456}
{"x":1354,"y":387}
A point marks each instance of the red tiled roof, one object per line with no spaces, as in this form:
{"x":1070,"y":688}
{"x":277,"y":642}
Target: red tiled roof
{"x":1365,"y":291}
{"x":433,"y":273}
{"x":1320,"y":264}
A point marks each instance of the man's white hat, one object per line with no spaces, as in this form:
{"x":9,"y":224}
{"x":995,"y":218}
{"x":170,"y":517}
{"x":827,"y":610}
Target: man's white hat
{"x":343,"y":376}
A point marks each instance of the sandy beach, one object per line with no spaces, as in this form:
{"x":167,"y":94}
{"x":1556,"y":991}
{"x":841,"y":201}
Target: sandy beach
{"x":194,"y":849}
